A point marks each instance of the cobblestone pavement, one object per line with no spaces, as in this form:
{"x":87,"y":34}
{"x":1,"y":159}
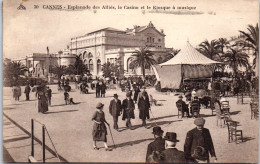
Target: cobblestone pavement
{"x":70,"y":128}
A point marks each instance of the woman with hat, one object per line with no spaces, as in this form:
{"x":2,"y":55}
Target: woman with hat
{"x":171,"y":154}
{"x":99,"y":129}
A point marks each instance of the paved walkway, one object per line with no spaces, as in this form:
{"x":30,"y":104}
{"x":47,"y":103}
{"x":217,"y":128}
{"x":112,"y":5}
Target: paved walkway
{"x":70,"y":128}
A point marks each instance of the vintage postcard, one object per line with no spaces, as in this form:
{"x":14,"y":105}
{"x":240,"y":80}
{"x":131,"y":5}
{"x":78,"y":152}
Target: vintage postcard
{"x":157,"y":81}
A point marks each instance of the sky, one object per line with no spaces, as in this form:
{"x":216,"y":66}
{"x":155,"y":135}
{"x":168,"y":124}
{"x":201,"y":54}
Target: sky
{"x":32,"y":30}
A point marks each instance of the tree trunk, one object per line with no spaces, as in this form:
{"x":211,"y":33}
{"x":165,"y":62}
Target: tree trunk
{"x":143,"y":70}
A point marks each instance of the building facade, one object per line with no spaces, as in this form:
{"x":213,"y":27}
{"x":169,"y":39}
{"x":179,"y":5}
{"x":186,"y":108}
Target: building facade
{"x":111,"y":45}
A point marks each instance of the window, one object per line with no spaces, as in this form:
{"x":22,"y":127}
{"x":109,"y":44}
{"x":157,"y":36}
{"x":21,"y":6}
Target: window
{"x":159,"y":40}
{"x":91,"y":65}
{"x":98,"y":66}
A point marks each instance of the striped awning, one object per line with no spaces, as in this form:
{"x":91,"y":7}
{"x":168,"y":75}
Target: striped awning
{"x":189,"y":55}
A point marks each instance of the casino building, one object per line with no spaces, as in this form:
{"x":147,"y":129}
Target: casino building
{"x":101,"y":46}
{"x":117,"y":46}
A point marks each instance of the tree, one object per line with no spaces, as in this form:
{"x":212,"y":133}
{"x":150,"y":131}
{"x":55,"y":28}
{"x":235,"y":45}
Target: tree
{"x":143,"y":58}
{"x":235,"y":58}
{"x":111,"y":69}
{"x":223,"y":43}
{"x":251,"y":41}
{"x":59,"y":70}
{"x":80,"y":67}
{"x":12,"y":71}
{"x":210,"y":49}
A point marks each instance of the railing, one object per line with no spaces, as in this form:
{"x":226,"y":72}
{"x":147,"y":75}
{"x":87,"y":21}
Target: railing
{"x":44,"y":129}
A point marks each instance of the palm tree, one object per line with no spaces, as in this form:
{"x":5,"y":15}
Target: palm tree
{"x":235,"y":58}
{"x":210,"y":49}
{"x":223,"y":43}
{"x":12,"y":71}
{"x":143,"y":58}
{"x":59,"y":70}
{"x":251,"y":41}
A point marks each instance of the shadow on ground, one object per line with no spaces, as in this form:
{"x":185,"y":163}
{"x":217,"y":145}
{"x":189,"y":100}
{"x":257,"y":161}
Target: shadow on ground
{"x":61,"y":111}
{"x":131,"y":143}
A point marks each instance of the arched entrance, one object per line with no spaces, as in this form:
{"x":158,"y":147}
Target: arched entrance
{"x":130,"y":66}
{"x":90,"y":65}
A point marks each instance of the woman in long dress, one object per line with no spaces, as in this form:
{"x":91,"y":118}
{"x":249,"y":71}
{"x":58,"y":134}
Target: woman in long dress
{"x":42,"y":99}
{"x":99,"y":132}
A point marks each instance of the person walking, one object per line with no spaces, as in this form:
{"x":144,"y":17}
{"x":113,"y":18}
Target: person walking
{"x":144,"y":107}
{"x":171,"y":154}
{"x":103,"y":89}
{"x":49,"y":95}
{"x":157,"y":146}
{"x":27,"y":91}
{"x":42,"y":100}
{"x":136,"y":93}
{"x":115,"y":109}
{"x":199,"y":144}
{"x":99,"y":132}
{"x":98,"y":88}
{"x":128,"y":107}
{"x":19,"y":92}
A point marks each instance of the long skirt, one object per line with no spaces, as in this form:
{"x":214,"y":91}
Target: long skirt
{"x":99,"y":132}
{"x":42,"y":105}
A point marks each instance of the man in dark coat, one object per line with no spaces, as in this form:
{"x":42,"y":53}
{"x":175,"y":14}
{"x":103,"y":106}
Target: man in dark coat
{"x":27,"y":91}
{"x":158,"y":145}
{"x":144,"y":107}
{"x":171,"y":154}
{"x":128,"y":107}
{"x":198,"y":143}
{"x":103,"y":89}
{"x":49,"y":95}
{"x":115,"y":110}
{"x":98,"y":88}
{"x":184,"y":106}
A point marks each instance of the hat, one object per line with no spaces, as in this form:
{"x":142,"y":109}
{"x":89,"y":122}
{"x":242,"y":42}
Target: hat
{"x":180,"y":96}
{"x":99,"y":105}
{"x":199,"y":121}
{"x":170,"y":136}
{"x":157,"y":130}
{"x":196,"y":97}
{"x":128,"y":94}
{"x":115,"y":95}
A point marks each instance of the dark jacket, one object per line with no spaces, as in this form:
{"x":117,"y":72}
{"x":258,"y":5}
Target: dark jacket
{"x":144,"y":106}
{"x":184,"y":105}
{"x":128,"y":107}
{"x":157,"y":145}
{"x":172,"y":155}
{"x":103,"y":88}
{"x":201,"y":138}
{"x":27,"y":89}
{"x":115,"y":107}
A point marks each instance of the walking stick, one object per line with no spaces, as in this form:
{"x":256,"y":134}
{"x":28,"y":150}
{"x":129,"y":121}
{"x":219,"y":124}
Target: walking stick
{"x":111,"y":136}
{"x":153,"y":117}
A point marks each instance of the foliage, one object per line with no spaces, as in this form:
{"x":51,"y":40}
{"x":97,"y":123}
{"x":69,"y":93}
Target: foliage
{"x":235,"y":58}
{"x":251,"y":41}
{"x":143,"y":58}
{"x":111,"y":69}
{"x":79,"y":66}
{"x":210,"y":49}
{"x":12,"y":71}
{"x":59,"y":70}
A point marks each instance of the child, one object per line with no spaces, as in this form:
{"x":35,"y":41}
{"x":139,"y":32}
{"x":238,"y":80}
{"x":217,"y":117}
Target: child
{"x":99,"y":129}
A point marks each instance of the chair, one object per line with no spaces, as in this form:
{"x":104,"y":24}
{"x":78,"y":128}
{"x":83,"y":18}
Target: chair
{"x":179,"y":107}
{"x":225,"y":107}
{"x":254,"y":110}
{"x":152,"y":100}
{"x":195,"y":109}
{"x":232,"y":131}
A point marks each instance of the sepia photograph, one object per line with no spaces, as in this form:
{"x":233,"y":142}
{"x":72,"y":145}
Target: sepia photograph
{"x":172,"y":81}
